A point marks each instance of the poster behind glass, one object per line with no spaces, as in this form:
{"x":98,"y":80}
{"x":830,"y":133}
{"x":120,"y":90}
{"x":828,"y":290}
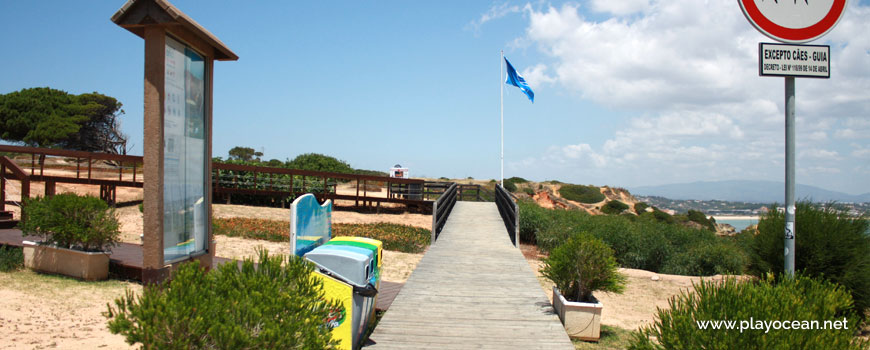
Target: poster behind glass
{"x":184,"y":204}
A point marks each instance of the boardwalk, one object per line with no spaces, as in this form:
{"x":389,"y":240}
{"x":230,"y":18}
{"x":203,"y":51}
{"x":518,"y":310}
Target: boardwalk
{"x":472,"y":290}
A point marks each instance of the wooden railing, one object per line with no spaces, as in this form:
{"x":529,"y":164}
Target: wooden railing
{"x":441,"y":210}
{"x":17,"y":174}
{"x":475,"y":193}
{"x":270,"y":184}
{"x":510,"y":213}
{"x":278,"y":183}
{"x":109,"y":171}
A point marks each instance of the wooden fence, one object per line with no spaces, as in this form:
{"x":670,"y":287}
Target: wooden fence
{"x":110,"y":171}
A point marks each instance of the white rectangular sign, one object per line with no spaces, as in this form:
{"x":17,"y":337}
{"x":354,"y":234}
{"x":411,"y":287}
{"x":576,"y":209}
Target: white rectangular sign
{"x":782,"y":60}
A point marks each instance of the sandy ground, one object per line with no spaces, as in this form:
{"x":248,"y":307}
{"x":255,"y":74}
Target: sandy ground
{"x":46,"y":312}
{"x":636,"y":306}
{"x":43,"y":312}
{"x":397,"y":265}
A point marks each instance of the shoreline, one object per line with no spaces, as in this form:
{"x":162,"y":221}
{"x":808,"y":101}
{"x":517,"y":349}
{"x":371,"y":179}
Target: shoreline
{"x":736,"y":217}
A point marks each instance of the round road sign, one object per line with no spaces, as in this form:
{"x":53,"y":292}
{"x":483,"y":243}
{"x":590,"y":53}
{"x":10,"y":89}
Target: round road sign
{"x":793,"y":21}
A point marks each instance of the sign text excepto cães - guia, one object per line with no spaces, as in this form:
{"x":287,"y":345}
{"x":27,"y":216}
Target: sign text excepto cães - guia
{"x":811,"y":61}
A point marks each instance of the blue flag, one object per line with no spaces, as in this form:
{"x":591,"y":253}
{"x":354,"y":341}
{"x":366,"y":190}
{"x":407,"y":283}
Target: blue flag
{"x":513,"y":78}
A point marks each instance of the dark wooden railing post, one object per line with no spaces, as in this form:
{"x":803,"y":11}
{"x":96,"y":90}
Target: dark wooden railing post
{"x":2,"y":186}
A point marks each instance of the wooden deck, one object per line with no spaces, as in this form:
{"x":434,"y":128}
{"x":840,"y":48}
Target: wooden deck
{"x":472,"y":290}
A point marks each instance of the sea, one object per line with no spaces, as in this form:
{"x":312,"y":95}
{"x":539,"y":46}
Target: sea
{"x":738,"y":224}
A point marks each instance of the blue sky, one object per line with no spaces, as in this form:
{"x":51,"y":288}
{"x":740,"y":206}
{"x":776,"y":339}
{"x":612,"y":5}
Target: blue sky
{"x":628,"y":93}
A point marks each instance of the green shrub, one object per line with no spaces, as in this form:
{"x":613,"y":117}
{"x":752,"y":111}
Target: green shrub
{"x":275,"y":305}
{"x":660,"y":216}
{"x":528,"y":191}
{"x":516,"y":180}
{"x":614,"y":207}
{"x":829,"y":243}
{"x":640,"y":207}
{"x":510,"y":186}
{"x":582,"y":265}
{"x":560,"y":225}
{"x":396,"y":237}
{"x":708,"y":258}
{"x":71,"y":221}
{"x":533,"y":219}
{"x":11,"y":258}
{"x":402,"y":238}
{"x":701,"y":218}
{"x":582,"y":194}
{"x":747,"y":304}
{"x":637,"y":242}
{"x":319,"y":162}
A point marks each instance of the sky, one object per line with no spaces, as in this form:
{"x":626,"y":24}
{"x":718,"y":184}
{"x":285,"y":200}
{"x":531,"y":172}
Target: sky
{"x":627,"y":93}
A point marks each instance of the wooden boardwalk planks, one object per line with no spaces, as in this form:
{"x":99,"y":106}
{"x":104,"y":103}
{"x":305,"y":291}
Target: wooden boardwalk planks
{"x":472,"y":290}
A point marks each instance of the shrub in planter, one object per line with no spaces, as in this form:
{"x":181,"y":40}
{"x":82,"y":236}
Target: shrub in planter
{"x":582,"y":265}
{"x":830,"y":244}
{"x":578,"y":267}
{"x":71,"y":221}
{"x":683,"y":325}
{"x":275,"y":305}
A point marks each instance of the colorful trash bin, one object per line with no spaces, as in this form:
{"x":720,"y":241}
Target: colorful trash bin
{"x":354,"y":266}
{"x":375,"y":246}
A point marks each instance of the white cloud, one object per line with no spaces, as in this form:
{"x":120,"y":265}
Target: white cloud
{"x":495,"y":12}
{"x":620,"y":7}
{"x":687,"y":69}
{"x":537,"y":75}
{"x":820,"y":154}
{"x":859,"y":151}
{"x":682,"y":51}
{"x":846,"y":134}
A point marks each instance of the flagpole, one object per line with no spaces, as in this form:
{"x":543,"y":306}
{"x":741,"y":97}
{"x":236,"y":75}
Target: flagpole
{"x":501,"y":84}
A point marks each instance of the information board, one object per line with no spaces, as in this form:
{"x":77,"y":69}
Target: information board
{"x":185,"y":222}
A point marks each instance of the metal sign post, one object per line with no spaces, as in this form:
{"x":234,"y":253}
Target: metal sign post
{"x":792,"y":23}
{"x":789,"y":176}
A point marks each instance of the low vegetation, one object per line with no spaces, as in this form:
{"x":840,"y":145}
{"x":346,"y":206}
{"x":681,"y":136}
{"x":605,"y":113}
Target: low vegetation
{"x":68,"y":220}
{"x":640,"y":242}
{"x":273,"y":306}
{"x":402,"y":238}
{"x":581,"y":194}
{"x":11,"y":258}
{"x":614,"y":207}
{"x":747,"y":304}
{"x":830,"y":243}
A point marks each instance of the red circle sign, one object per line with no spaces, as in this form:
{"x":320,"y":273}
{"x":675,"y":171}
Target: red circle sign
{"x":797,"y":21}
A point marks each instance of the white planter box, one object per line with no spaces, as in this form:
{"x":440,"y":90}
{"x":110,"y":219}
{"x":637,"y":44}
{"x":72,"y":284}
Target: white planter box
{"x":89,"y":266}
{"x":581,"y":320}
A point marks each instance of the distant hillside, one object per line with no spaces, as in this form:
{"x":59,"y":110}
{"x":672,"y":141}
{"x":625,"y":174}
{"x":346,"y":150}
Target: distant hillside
{"x":745,"y":191}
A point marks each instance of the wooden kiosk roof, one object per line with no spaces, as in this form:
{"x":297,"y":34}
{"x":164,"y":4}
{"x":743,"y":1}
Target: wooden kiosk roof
{"x":135,"y":14}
